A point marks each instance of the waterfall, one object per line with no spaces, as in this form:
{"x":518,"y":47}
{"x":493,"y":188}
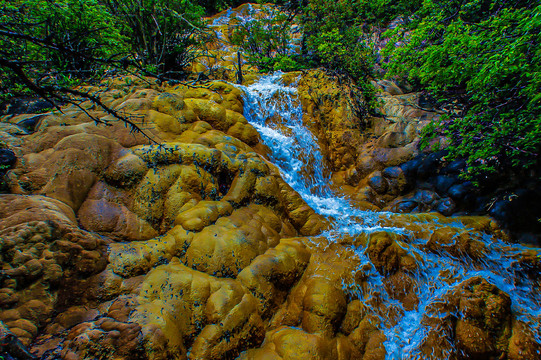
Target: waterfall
{"x":274,"y":109}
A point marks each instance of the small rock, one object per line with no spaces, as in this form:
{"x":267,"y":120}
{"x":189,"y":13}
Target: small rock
{"x":378,"y":182}
{"x":446,"y":206}
{"x":454,"y":167}
{"x":405,"y":206}
{"x":442,"y":183}
{"x":393,"y":172}
{"x":410,"y":167}
{"x":425,"y":196}
{"x":7,"y":159}
{"x":430,"y":164}
{"x":460,"y":191}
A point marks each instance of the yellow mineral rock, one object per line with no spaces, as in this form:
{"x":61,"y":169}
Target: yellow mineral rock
{"x":186,"y":242}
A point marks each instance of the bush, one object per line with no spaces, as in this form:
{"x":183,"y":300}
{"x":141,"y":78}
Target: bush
{"x":165,"y":35}
{"x":337,"y":32}
{"x":55,"y":43}
{"x":288,"y":63}
{"x":47,"y":48}
{"x":265,"y":42}
{"x":334,"y":38}
{"x":482,"y":58}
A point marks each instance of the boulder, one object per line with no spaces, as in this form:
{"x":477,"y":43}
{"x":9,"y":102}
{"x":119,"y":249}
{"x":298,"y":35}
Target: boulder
{"x":7,"y":159}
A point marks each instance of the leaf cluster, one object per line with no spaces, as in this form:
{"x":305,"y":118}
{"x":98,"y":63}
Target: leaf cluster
{"x":165,"y":36}
{"x":267,"y":43}
{"x":481,"y":58}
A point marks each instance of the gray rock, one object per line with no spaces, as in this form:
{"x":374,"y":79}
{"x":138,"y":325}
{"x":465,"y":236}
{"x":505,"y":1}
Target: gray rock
{"x":378,"y":183}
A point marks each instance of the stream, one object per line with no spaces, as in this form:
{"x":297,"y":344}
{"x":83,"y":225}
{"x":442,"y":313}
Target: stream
{"x":274,"y":109}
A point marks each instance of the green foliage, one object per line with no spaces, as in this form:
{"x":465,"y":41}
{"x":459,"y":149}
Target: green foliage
{"x":165,"y":35}
{"x":343,"y":51}
{"x":214,"y":6}
{"x":430,"y":132}
{"x":82,"y":26}
{"x":47,"y":48}
{"x":484,"y":57}
{"x":265,"y":42}
{"x":288,"y":63}
{"x":334,"y":38}
{"x":79,"y":26}
{"x":336,"y":31}
{"x":54,"y":41}
{"x":337,"y":36}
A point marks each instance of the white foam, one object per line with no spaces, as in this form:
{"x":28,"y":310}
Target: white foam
{"x":274,"y":109}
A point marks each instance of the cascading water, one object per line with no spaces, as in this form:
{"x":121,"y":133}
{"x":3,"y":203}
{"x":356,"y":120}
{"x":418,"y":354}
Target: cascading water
{"x":276,"y":112}
{"x":274,"y":109}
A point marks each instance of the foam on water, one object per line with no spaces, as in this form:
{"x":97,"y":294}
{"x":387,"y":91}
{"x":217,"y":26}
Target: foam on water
{"x":274,"y":109}
{"x":228,"y":15}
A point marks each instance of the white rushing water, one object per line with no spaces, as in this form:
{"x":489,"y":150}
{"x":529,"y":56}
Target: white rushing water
{"x":276,"y":112}
{"x":274,"y":109}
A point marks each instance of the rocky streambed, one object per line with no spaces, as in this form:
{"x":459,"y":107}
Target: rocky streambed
{"x":261,"y":227}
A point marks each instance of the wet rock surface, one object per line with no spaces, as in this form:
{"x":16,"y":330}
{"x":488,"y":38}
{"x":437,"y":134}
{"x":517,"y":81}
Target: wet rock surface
{"x":201,"y":247}
{"x":99,"y":224}
{"x":376,"y":160}
{"x":435,"y":184}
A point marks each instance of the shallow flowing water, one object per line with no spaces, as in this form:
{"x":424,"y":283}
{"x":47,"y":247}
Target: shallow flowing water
{"x":274,"y":109}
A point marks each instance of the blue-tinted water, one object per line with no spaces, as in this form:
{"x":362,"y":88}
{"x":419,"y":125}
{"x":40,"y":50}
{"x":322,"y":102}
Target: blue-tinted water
{"x":274,"y":109}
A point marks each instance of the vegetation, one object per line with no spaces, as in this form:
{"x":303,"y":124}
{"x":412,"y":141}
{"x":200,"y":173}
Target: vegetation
{"x":47,"y":44}
{"x":334,"y":38}
{"x":266,"y":42}
{"x":215,"y":6}
{"x":165,"y":35}
{"x":49,"y":47}
{"x":480,"y":59}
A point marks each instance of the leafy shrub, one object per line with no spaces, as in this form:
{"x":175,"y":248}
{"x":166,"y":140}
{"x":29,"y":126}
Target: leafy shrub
{"x":165,"y":35}
{"x":288,"y":63}
{"x":334,"y":38}
{"x":337,"y":32}
{"x":266,"y":41}
{"x":483,"y":58}
{"x":47,"y":48}
{"x":55,"y":42}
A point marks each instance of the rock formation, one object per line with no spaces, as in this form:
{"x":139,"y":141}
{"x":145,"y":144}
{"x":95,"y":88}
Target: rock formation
{"x":197,"y":248}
